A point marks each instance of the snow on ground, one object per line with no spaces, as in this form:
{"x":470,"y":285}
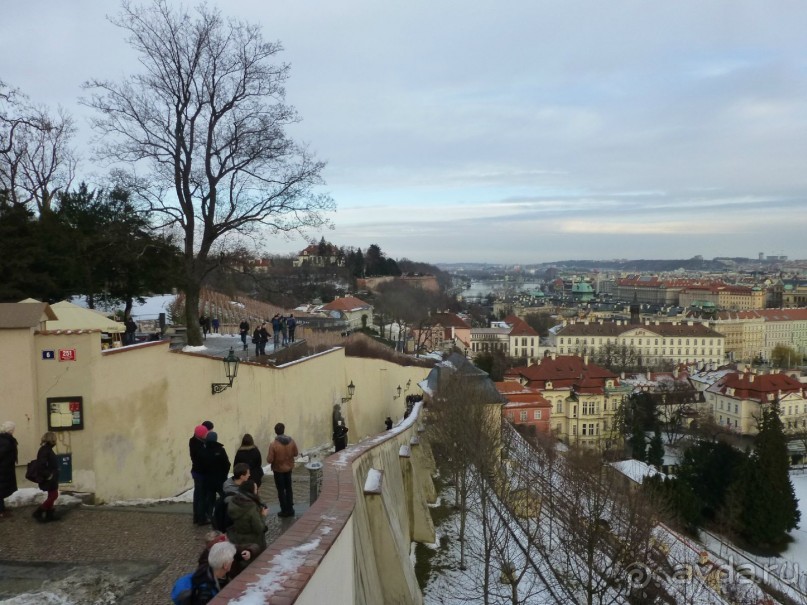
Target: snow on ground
{"x":28,"y":496}
{"x":149,"y":309}
{"x":797,"y":550}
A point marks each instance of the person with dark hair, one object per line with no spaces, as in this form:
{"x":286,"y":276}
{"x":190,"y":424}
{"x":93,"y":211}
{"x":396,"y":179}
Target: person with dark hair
{"x":339,"y":436}
{"x":221,"y":516}
{"x":247,"y":513}
{"x":243,"y":330}
{"x":291,"y":323}
{"x":49,"y":467}
{"x":131,"y":330}
{"x":276,"y":331}
{"x":218,"y":464}
{"x":216,"y":324}
{"x":8,"y":463}
{"x":208,"y":425}
{"x":204,"y":323}
{"x":282,"y":452}
{"x":249,"y":454}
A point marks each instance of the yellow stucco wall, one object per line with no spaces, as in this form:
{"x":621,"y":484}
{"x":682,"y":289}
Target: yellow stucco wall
{"x":18,"y":388}
{"x":142,"y":403}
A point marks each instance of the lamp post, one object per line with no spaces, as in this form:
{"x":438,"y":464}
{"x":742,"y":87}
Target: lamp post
{"x":351,"y":388}
{"x":230,"y":371}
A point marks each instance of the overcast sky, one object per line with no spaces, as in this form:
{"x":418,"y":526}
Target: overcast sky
{"x":513,"y":131}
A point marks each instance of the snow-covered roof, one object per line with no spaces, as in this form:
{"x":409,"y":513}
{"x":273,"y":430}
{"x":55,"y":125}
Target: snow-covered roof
{"x":636,"y":470}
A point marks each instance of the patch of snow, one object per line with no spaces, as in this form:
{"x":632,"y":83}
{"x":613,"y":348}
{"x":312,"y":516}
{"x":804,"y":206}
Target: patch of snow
{"x":636,"y":470}
{"x":373,"y":482}
{"x":28,"y":496}
{"x":190,"y":349}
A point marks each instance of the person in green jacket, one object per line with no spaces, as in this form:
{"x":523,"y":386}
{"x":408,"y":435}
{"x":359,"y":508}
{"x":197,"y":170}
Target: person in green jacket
{"x":247,"y":514}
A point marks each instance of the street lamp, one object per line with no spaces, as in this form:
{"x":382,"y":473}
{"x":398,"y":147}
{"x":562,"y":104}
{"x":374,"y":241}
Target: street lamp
{"x":351,"y":388}
{"x":230,"y":371}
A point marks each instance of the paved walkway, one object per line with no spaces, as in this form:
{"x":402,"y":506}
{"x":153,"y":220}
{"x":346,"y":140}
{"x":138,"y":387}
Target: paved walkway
{"x":151,"y":546}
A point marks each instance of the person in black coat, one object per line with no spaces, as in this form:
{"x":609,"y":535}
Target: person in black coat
{"x":249,"y":454}
{"x":218,"y":464}
{"x":339,"y":436}
{"x":199,"y":470}
{"x":8,"y":462}
{"x":49,"y":471}
{"x":243,"y":329}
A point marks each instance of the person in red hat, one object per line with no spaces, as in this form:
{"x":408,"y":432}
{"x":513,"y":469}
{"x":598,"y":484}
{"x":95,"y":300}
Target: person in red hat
{"x":196,"y":445}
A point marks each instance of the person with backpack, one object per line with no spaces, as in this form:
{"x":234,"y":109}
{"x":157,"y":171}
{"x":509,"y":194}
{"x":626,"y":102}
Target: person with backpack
{"x":247,"y":513}
{"x":199,"y":587}
{"x":49,"y":469}
{"x":221,"y":518}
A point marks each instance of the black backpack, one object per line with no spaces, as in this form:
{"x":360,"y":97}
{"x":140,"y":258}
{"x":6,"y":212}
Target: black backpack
{"x":221,"y":520}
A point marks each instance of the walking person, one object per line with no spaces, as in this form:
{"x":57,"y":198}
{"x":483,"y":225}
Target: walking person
{"x":249,"y":454}
{"x":215,"y":325}
{"x":339,"y":436}
{"x":49,"y":468}
{"x":284,"y":330}
{"x":243,"y":329}
{"x":282,"y":452}
{"x":276,"y":330}
{"x":203,"y":324}
{"x":199,"y":468}
{"x":8,"y":462}
{"x":263,"y":338}
{"x":291,"y":323}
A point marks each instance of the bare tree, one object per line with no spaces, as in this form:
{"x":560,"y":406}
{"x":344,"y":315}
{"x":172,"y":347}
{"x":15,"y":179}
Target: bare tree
{"x":207,"y":119}
{"x":37,"y":161}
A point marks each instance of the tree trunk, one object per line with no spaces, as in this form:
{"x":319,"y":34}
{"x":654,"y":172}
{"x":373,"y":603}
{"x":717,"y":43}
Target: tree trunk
{"x":193,"y":332}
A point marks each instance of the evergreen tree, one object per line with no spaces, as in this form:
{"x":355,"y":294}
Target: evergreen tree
{"x":770,"y":508}
{"x":638,"y":447}
{"x":655,"y":452}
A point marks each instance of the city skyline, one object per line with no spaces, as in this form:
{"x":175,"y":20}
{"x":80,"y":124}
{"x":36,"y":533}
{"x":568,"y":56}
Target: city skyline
{"x":518,"y":133}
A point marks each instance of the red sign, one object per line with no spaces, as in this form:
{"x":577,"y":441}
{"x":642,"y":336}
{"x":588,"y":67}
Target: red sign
{"x":67,"y":354}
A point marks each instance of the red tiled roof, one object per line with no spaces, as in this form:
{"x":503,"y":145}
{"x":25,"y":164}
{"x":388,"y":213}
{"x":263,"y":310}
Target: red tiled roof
{"x":766,"y":314}
{"x":747,"y":385}
{"x":520,"y":327}
{"x":346,"y":303}
{"x":566,"y":371}
{"x":526,"y":400}
{"x":449,"y":320}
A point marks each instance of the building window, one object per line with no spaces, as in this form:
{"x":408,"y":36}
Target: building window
{"x":536,"y":415}
{"x":523,"y":416}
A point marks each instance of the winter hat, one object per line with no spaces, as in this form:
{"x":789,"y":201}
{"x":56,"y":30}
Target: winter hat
{"x":208,"y":425}
{"x":200,"y":432}
{"x":212,"y":436}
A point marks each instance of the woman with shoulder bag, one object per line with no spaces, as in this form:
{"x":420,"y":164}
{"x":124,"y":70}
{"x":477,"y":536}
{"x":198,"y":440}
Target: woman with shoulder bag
{"x":49,"y":466}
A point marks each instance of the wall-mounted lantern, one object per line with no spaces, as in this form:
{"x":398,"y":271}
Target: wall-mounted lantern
{"x":230,"y":371}
{"x":398,"y":390}
{"x":351,"y":388}
{"x":408,"y":384}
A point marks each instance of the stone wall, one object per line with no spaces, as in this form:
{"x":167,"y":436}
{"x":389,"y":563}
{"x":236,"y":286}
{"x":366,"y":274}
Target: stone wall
{"x":352,"y":545}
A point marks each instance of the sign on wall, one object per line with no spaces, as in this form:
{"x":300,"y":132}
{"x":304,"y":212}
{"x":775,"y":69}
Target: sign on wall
{"x":48,"y":354}
{"x":67,"y":354}
{"x":65,"y":413}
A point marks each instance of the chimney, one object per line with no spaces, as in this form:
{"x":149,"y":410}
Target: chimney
{"x":675,"y":372}
{"x":554,"y":355}
{"x":585,"y":361}
{"x":530,"y":362}
{"x":750,"y":378}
